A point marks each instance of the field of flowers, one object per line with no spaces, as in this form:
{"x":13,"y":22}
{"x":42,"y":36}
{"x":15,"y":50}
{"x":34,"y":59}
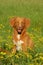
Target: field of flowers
{"x":32,"y":9}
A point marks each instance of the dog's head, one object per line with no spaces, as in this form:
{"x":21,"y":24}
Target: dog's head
{"x":19,"y":24}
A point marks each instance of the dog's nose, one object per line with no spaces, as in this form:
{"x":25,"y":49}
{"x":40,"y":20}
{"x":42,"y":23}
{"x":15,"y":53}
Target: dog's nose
{"x":19,"y":27}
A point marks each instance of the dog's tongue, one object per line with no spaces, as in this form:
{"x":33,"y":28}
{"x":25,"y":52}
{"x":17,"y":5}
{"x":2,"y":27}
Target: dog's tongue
{"x":19,"y":30}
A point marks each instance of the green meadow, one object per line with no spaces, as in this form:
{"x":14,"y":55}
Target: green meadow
{"x":31,"y":9}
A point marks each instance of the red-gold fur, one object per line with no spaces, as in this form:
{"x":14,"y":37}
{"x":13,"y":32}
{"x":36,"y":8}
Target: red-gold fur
{"x":16,"y":22}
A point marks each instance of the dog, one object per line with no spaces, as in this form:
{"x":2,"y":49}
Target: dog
{"x":21,"y":39}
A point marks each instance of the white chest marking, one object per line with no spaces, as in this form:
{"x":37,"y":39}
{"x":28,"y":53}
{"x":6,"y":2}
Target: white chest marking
{"x":18,"y":44}
{"x":18,"y":36}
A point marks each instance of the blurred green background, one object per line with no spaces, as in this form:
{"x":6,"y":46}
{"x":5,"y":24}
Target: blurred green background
{"x":32,"y":9}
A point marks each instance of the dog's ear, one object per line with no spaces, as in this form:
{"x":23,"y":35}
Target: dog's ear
{"x":12,"y":21}
{"x":27,"y":22}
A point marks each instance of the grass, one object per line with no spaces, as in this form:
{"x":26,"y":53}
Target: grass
{"x":32,"y":9}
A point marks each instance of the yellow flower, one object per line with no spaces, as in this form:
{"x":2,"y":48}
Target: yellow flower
{"x":27,"y":54}
{"x":41,"y":54}
{"x":7,"y":44}
{"x":31,"y":64}
{"x":36,"y":54}
{"x":30,"y":49}
{"x":36,"y":58}
{"x":17,"y":56}
{"x":37,"y":63}
{"x":20,"y":54}
{"x":1,"y":24}
{"x":3,"y":53}
{"x":16,"y":64}
{"x":41,"y":57}
{"x":30,"y":56}
{"x":10,"y":55}
{"x":1,"y":57}
{"x":41,"y":39}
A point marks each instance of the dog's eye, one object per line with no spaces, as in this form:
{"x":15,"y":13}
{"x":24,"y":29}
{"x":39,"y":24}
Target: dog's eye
{"x":23,"y":23}
{"x":17,"y":23}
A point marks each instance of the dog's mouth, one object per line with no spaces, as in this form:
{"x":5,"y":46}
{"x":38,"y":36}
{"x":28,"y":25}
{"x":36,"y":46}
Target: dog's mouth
{"x":19,"y":31}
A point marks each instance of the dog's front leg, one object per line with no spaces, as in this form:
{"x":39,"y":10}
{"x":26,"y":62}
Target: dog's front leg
{"x":24,"y":47}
